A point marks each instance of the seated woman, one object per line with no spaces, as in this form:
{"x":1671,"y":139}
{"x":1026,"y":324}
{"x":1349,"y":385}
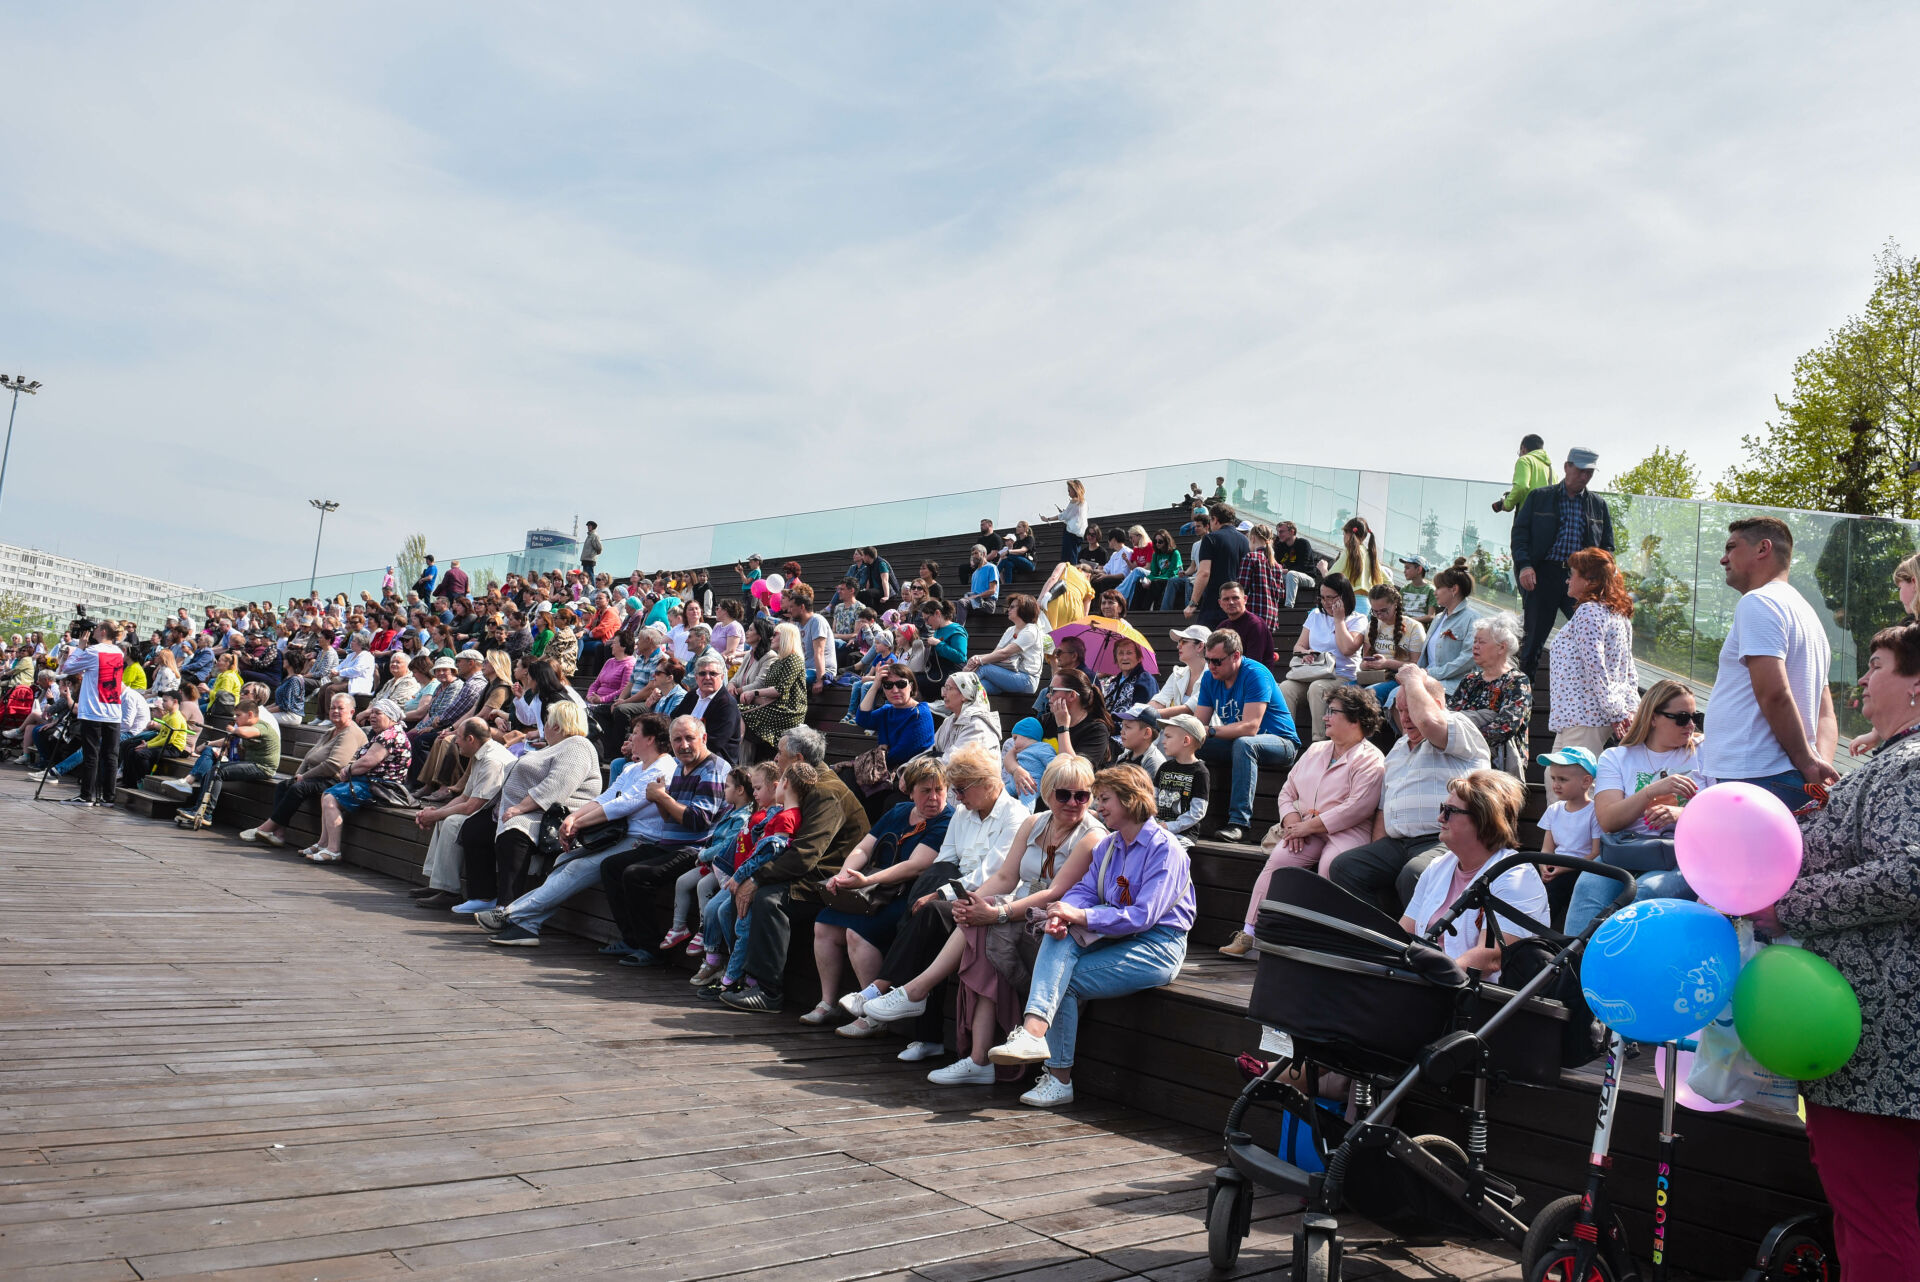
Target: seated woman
{"x":903,"y":728}
{"x":564,"y":773}
{"x":780,"y":703}
{"x":1328,"y":801}
{"x":902,"y":844}
{"x":757,"y":657}
{"x":1013,"y":666}
{"x":1162,"y":569}
{"x":1393,"y":639}
{"x":993,"y":951}
{"x":1497,"y":695}
{"x":970,"y":717}
{"x":1078,"y":722}
{"x":1131,"y":684}
{"x":1121,"y":929}
{"x":1016,"y":550}
{"x":1638,"y":792}
{"x":1479,"y":823}
{"x":1325,"y":654}
{"x":381,"y":763}
{"x":1109,"y":604}
{"x":730,"y":633}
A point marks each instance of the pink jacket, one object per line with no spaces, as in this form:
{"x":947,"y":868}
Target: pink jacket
{"x":1345,"y":793}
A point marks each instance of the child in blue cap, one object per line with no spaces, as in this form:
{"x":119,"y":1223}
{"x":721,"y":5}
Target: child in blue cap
{"x":1570,"y":826}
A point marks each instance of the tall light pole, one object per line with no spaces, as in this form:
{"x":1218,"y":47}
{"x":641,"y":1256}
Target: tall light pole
{"x":323,"y":506}
{"x":16,"y":384}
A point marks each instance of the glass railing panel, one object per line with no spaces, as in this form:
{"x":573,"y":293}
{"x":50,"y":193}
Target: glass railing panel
{"x":877,"y":523}
{"x":737,"y":540}
{"x":676,"y":549}
{"x":621,"y":557}
{"x":1657,"y":545}
{"x":1486,"y":540}
{"x":1030,"y":503}
{"x":1402,"y":534}
{"x":811,"y":533}
{"x":961,"y":513}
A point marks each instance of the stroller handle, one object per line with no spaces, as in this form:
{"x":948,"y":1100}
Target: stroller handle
{"x":1480,"y":892}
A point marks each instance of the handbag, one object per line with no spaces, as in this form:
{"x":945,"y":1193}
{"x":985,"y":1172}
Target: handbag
{"x":1309,"y":665}
{"x":1636,"y":851}
{"x":870,"y":772}
{"x":602,"y":836}
{"x":385,"y":792}
{"x":863,"y":901}
{"x":547,"y":841}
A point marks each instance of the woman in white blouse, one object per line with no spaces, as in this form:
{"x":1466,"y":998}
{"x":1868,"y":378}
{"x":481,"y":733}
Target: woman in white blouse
{"x":1013,"y":666}
{"x":1326,"y":653}
{"x":1594,"y":688}
{"x":1074,"y":517}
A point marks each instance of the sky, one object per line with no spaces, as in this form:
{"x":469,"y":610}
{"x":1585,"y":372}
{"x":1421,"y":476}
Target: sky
{"x":473,"y":268}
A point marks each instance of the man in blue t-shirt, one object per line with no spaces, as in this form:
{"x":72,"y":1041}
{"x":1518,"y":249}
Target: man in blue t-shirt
{"x":1247,"y":721}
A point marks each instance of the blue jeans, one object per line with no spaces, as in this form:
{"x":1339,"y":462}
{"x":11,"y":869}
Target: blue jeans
{"x":532,"y":909}
{"x":203,"y":765}
{"x":998,"y":680}
{"x":1789,"y":785}
{"x":1247,"y":754}
{"x":1135,"y":577}
{"x":1065,"y":974}
{"x":1174,"y":597}
{"x":1023,"y":564}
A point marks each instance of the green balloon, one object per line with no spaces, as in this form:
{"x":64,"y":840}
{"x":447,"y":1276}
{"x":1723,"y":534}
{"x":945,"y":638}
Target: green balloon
{"x":1795,"y":1013}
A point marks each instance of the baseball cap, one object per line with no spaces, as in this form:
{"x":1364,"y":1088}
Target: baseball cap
{"x":1188,"y":722}
{"x":1142,"y":713}
{"x":1415,"y":558}
{"x":1571,"y":757}
{"x":1192,"y":632}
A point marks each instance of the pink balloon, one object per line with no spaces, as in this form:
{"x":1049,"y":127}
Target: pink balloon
{"x":1738,"y":847}
{"x":1684,"y":1095}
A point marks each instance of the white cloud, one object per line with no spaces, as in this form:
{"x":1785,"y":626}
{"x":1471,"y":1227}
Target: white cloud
{"x":472,"y":273}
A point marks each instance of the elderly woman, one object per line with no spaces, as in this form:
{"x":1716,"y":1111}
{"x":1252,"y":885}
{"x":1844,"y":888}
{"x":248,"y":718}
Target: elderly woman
{"x":401,"y":685}
{"x":1497,"y":696}
{"x":565,"y":773}
{"x":970,"y":717}
{"x":1328,"y":802}
{"x":1638,"y":790}
{"x":378,"y":770}
{"x":1479,"y":823}
{"x":1594,"y":684}
{"x":1906,"y":582}
{"x":780,"y":703}
{"x":1013,"y":665}
{"x":902,"y":844}
{"x":1857,"y":904}
{"x":1325,"y":657}
{"x":1130,"y":684}
{"x":1121,"y":929}
{"x":993,"y":950}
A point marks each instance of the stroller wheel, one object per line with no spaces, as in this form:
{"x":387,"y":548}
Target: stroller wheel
{"x":1317,"y":1247}
{"x":1444,"y":1149}
{"x":1228,"y":1212}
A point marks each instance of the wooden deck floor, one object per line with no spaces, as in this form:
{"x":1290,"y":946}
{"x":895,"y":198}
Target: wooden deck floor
{"x":227,"y":1062}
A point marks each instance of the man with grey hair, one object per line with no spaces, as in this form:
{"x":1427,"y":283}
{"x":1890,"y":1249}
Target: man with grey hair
{"x":1553,"y":523}
{"x":487,"y":765}
{"x":713,"y":705}
{"x":802,"y":743}
{"x":1436,"y":747}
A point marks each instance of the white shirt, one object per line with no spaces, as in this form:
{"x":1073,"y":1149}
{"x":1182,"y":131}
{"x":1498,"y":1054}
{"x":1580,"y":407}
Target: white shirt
{"x":1173,"y":694}
{"x":1772,"y":620}
{"x":1574,"y":831}
{"x":1118,"y":563}
{"x":1324,"y":637}
{"x":87,"y":663}
{"x":1027,"y":638}
{"x":357,"y":669}
{"x":135,"y":715}
{"x":1520,"y":886}
{"x":979,"y":845}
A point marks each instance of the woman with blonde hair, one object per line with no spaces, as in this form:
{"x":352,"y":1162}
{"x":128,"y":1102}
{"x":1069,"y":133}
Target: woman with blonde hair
{"x":1594,"y":684}
{"x":1360,"y":557}
{"x":1073,"y":517}
{"x":779,"y":703}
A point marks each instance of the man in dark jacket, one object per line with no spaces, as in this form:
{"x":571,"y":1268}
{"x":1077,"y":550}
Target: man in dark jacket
{"x":832,"y":823}
{"x":1553,"y":523}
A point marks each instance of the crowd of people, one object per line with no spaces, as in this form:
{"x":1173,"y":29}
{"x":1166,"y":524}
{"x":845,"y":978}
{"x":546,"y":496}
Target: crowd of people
{"x":651,"y":736}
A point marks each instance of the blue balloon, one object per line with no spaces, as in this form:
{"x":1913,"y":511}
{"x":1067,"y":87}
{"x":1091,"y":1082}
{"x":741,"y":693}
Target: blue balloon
{"x":1663,"y":885}
{"x":1660,"y":968}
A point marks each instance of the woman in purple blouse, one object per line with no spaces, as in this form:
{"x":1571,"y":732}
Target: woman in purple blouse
{"x":1121,"y":930}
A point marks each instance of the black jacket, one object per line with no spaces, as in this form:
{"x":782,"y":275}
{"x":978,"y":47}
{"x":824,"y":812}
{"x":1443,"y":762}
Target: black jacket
{"x":1536,"y":526}
{"x":722,"y":720}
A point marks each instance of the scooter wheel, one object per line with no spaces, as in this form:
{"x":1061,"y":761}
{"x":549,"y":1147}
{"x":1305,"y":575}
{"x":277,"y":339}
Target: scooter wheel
{"x":1553,"y":1227}
{"x":1802,"y":1256}
{"x":1560,"y":1263}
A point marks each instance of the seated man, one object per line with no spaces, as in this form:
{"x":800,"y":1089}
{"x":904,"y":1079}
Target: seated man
{"x":324,"y":765}
{"x":354,"y":674}
{"x":1256,"y":638}
{"x":1438,"y":747}
{"x":983,"y":587}
{"x":453,"y":702}
{"x":832,"y":822}
{"x":667,"y":805}
{"x":168,"y":738}
{"x":1247,"y":724}
{"x":136,"y":717}
{"x":253,"y":744}
{"x":487,"y":764}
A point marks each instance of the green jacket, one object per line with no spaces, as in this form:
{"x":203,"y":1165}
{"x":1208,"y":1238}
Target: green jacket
{"x":1530,"y":471}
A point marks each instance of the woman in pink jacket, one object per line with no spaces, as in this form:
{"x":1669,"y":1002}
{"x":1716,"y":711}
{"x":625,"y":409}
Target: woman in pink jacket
{"x":1328,"y":802}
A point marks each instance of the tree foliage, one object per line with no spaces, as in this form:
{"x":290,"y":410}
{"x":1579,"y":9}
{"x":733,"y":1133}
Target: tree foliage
{"x":1664,"y":473}
{"x":1846,"y":439}
{"x":412,"y":559}
{"x":19,"y":615}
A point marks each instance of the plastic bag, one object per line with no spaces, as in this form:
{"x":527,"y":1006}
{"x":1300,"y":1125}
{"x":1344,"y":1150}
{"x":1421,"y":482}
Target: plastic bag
{"x":1722,"y":1070}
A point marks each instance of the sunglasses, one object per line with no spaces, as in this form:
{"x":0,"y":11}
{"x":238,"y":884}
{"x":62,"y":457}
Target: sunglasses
{"x":1449,"y":811}
{"x":1698,"y":719}
{"x":1067,"y":796}
{"x":895,"y":684}
{"x":1220,"y":662}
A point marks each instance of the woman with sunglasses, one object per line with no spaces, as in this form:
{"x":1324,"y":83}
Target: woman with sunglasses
{"x":1638,"y":792}
{"x":899,"y":721}
{"x":1594,"y":685}
{"x":1479,"y":823}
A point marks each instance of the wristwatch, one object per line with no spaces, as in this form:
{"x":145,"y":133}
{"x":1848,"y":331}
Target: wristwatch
{"x":1003,"y":915}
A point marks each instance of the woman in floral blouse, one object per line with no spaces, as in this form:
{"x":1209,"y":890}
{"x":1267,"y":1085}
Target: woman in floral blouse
{"x":379,"y":766}
{"x":1857,"y":904}
{"x":1498,"y":694}
{"x":1595,"y":688}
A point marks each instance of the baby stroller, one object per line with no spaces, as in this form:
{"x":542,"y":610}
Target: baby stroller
{"x":13,"y":714}
{"x":1342,"y":988}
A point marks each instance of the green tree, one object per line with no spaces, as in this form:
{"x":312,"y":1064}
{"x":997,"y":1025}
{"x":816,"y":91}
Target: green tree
{"x":1665,"y":473}
{"x":17,"y":615}
{"x":1847,"y":438}
{"x":412,"y":559}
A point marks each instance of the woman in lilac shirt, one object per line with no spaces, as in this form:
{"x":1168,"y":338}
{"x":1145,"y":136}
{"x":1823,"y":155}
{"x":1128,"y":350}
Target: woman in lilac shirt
{"x":1121,"y":930}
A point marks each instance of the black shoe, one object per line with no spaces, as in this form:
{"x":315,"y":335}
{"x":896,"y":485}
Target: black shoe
{"x":77,"y":801}
{"x":424,"y":892}
{"x":715,"y":991}
{"x":439,"y":900}
{"x":639,"y":957}
{"x":1231,"y":833}
{"x":512,"y":936}
{"x":757,"y":1001}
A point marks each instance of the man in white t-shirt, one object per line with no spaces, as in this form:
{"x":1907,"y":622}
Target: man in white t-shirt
{"x":1770,"y":721}
{"x":100,"y":667}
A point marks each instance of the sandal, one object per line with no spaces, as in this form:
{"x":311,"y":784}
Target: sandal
{"x":820,"y":1014}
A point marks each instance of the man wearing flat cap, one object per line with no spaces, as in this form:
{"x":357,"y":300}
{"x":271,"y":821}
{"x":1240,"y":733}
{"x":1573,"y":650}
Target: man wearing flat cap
{"x":1553,"y":523}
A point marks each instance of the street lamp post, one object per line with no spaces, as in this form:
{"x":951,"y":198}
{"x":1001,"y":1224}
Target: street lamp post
{"x":323,"y":506}
{"x":16,"y":384}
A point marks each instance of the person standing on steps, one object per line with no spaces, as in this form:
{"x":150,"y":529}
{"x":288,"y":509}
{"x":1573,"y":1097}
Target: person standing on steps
{"x":590,"y":549}
{"x":1533,"y":469}
{"x":99,"y":666}
{"x":1553,"y":523}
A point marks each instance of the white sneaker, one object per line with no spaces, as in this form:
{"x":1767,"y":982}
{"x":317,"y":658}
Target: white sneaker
{"x":855,"y":1004}
{"x":917,"y":1051}
{"x":891,"y":1005}
{"x":963,"y":1072}
{"x":1049,"y":1092}
{"x":182,"y":786}
{"x":1021,"y":1047}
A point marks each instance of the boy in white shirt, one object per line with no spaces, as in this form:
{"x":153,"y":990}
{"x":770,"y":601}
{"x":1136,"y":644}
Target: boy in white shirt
{"x":1570,"y":826}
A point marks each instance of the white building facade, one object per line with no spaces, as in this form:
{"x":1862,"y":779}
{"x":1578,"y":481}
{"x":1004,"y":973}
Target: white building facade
{"x":55,"y":585}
